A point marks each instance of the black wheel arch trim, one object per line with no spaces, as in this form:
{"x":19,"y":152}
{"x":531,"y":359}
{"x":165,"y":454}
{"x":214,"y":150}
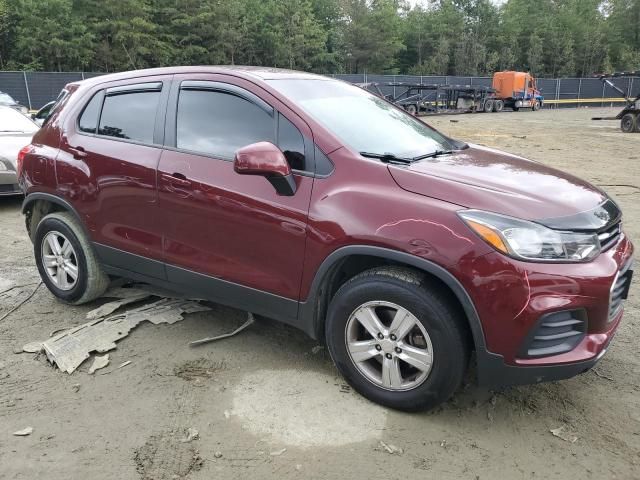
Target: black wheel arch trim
{"x":308,"y":313}
{"x":30,"y":198}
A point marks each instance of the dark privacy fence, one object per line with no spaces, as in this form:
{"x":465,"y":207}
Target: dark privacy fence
{"x":34,"y":89}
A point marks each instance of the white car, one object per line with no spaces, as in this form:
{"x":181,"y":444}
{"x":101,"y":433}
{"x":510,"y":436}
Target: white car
{"x":16,"y":131}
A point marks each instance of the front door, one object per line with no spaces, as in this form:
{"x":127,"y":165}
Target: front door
{"x":232,"y":235}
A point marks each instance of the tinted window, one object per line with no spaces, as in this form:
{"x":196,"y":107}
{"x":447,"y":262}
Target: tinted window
{"x":219,"y":123}
{"x":130,"y":115}
{"x":291,"y":143}
{"x":89,"y":119}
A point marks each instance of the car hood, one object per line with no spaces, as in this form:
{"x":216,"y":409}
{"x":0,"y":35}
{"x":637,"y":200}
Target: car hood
{"x":487,"y":179}
{"x":10,"y":145}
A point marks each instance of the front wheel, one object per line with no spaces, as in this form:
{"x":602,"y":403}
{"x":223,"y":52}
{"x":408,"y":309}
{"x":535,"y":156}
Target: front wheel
{"x":397,"y":338}
{"x":411,"y":109}
{"x":66,"y":261}
{"x":536,"y":106}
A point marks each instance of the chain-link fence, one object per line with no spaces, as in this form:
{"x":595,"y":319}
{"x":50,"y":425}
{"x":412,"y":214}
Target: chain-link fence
{"x":34,"y":89}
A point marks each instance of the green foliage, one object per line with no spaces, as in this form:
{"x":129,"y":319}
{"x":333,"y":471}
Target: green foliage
{"x":432,"y":37}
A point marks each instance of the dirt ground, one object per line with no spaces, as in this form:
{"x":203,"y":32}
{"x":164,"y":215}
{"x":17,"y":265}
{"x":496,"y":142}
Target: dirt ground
{"x":268,"y":389}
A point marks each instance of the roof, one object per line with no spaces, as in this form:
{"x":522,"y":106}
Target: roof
{"x":245,"y":71}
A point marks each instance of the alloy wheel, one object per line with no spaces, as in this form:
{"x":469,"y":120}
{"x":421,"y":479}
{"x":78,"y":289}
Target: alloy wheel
{"x":389,"y":346}
{"x":60,"y":260}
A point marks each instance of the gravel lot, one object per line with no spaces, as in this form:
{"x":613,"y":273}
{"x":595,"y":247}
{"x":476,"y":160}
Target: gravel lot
{"x":268,"y":389}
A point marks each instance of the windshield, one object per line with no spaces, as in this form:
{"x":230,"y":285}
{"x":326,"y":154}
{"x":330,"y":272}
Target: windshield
{"x":13,"y":121}
{"x":6,"y":98}
{"x":361,"y":120}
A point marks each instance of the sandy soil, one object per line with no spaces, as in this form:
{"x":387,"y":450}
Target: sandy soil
{"x":268,"y":389}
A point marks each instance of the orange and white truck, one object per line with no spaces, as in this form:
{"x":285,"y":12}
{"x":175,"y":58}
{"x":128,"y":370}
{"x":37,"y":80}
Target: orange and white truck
{"x":516,"y":90}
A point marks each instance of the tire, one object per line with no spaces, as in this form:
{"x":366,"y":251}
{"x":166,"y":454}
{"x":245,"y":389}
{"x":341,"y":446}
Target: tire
{"x":438,"y":329}
{"x":628,"y":123}
{"x":536,"y":106}
{"x":498,"y":105}
{"x":411,"y":109}
{"x":76,"y":256}
{"x":488,"y":106}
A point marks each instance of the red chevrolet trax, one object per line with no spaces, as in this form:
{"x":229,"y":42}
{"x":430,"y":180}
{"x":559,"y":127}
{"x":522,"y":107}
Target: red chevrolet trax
{"x":311,"y":201}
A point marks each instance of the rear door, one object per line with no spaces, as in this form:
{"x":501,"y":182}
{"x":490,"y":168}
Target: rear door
{"x":107,"y":169}
{"x":226,"y":230}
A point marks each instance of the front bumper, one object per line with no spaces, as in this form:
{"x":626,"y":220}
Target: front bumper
{"x":511,"y":302}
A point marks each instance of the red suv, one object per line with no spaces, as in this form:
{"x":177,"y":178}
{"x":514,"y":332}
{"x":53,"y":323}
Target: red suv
{"x":311,"y":201}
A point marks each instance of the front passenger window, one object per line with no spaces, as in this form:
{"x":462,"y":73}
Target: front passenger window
{"x":219,"y":123}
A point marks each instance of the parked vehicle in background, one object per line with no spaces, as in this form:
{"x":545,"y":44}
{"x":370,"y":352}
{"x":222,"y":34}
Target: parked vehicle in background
{"x":16,"y":131}
{"x":8,"y":101}
{"x":517,"y":90}
{"x":629,"y":116}
{"x":314,"y":202}
{"x":41,"y":115}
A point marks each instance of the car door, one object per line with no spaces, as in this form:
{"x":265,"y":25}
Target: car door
{"x":231,"y":236}
{"x":107,"y":166}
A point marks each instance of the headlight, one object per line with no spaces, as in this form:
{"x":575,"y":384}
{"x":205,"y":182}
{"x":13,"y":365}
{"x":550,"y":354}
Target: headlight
{"x":531,"y":241}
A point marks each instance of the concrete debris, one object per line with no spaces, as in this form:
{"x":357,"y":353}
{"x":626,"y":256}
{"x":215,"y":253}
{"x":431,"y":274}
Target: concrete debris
{"x":227,"y":414}
{"x":218,"y":454}
{"x":72,"y":347}
{"x":24,"y":432}
{"x":277,"y":453}
{"x":561,"y":432}
{"x":249,"y":321}
{"x":76,"y":387}
{"x":191,"y":434}
{"x":99,"y":361}
{"x":390,"y":448}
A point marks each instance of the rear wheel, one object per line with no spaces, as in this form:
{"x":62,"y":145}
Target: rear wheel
{"x":66,"y":261}
{"x":397,"y":338}
{"x":412,"y":109}
{"x":488,"y":106}
{"x":628,"y":123}
{"x":498,"y":105}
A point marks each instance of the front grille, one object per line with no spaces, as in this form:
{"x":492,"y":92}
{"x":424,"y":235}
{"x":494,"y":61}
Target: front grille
{"x":609,"y":236}
{"x":556,"y":333}
{"x":620,"y":290}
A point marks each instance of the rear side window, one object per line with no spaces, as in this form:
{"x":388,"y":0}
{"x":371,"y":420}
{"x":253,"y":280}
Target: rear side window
{"x":219,"y":123}
{"x":89,"y":119}
{"x":130,"y":115}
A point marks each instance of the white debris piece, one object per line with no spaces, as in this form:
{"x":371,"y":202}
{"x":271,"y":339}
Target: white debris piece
{"x":389,"y":448}
{"x":24,"y":432}
{"x":72,"y":347}
{"x":277,"y":453}
{"x":124,"y":364}
{"x":249,"y":321}
{"x":561,"y":432}
{"x":99,"y":361}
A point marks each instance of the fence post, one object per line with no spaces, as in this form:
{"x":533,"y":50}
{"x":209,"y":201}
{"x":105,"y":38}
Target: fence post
{"x":82,"y":73}
{"x":579,"y":91}
{"x":602,"y":97}
{"x":26,"y":86}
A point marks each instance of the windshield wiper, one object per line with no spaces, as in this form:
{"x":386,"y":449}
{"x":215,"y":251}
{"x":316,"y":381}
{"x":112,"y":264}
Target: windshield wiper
{"x":437,"y":153}
{"x":387,"y":157}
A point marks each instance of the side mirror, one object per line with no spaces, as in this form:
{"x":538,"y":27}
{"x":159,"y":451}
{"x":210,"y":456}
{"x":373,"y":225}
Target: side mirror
{"x":264,"y":158}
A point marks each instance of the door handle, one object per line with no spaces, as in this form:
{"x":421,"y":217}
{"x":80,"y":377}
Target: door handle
{"x":78,"y":152}
{"x":176,"y":179}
